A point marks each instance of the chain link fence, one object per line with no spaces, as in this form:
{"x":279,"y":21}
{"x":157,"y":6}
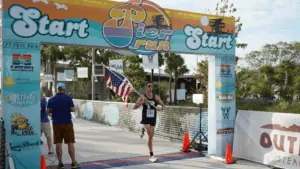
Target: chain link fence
{"x":172,"y":123}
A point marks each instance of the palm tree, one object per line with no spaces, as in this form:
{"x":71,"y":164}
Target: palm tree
{"x":175,"y":67}
{"x":51,"y":54}
{"x":202,"y":76}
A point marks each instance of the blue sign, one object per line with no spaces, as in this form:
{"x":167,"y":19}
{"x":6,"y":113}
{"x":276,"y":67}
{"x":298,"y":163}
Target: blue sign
{"x":21,"y":99}
{"x":225,"y":101}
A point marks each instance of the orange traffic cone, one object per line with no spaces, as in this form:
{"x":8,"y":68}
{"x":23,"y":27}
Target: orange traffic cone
{"x":186,"y":143}
{"x":228,"y":155}
{"x":43,"y":162}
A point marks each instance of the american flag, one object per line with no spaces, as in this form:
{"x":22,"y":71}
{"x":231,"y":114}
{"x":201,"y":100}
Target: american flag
{"x":118,"y":83}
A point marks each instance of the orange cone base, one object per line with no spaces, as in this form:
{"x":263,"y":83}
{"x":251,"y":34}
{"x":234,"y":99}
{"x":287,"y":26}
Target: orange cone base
{"x":231,"y":162}
{"x":186,"y":150}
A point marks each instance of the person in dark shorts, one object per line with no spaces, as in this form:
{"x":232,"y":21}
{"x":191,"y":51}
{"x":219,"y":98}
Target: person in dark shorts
{"x":60,"y":107}
{"x":151,"y":103}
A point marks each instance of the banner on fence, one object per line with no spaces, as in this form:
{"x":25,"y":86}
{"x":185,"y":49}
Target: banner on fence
{"x":268,"y":138}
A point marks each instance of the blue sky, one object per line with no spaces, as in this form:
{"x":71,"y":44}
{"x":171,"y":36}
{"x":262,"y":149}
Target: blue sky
{"x":264,"y":21}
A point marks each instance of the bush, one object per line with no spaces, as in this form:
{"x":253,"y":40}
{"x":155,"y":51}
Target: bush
{"x":284,"y":107}
{"x":254,"y":105}
{"x":260,"y":105}
{"x":81,"y":88}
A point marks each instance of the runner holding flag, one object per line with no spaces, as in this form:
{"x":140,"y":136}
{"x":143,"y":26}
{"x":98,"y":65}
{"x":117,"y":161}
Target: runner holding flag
{"x":151,"y":104}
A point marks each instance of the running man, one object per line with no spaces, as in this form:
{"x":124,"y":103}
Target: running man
{"x":45,"y":125}
{"x":60,"y":107}
{"x":149,"y":114}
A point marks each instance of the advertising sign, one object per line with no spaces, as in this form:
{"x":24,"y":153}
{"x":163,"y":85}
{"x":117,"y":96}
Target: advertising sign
{"x":21,"y":100}
{"x":82,"y":72}
{"x":139,"y":26}
{"x":69,"y":75}
{"x":268,"y":138}
{"x":150,"y":61}
{"x":116,"y":65}
{"x":225,"y":101}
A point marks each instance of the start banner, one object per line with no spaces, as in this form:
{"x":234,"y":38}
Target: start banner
{"x":268,"y":138}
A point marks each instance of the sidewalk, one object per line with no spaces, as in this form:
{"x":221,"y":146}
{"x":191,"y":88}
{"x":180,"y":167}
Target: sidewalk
{"x":100,"y":146}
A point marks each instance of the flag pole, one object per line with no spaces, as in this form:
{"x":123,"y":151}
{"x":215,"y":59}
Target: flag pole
{"x":131,"y":87}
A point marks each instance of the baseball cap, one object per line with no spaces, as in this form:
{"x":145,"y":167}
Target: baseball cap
{"x":61,"y":85}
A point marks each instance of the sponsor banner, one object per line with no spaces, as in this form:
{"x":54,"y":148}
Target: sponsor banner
{"x":225,"y":101}
{"x":21,"y":100}
{"x":139,"y":26}
{"x":268,"y":138}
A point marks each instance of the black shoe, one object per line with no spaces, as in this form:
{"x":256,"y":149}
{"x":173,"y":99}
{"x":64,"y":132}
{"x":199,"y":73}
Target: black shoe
{"x":51,"y":153}
{"x":60,"y":166}
{"x":75,"y":165}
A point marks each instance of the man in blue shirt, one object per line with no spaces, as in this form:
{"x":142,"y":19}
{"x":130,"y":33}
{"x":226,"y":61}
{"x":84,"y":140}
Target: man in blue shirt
{"x":45,"y":124}
{"x":60,"y":107}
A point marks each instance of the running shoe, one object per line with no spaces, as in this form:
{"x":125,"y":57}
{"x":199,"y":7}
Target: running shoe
{"x":153,"y":159}
{"x":60,"y":166}
{"x":75,"y":165}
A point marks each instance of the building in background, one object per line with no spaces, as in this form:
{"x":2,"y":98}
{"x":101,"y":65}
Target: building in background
{"x":186,"y":84}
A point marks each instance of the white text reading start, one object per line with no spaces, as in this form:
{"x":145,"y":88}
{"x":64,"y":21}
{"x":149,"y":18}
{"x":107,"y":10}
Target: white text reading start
{"x":196,"y":38}
{"x":29,"y":22}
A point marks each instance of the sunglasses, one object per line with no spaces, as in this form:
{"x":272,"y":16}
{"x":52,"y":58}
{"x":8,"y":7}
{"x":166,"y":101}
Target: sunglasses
{"x":150,"y":86}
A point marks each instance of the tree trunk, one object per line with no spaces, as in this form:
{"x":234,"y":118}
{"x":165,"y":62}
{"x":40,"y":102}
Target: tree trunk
{"x":206,"y":97}
{"x":50,"y":94}
{"x":170,"y":88}
{"x":45,"y":89}
{"x":175,"y":90}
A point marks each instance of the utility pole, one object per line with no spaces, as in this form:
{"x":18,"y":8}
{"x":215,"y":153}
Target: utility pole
{"x":152,"y":70}
{"x":93,"y":73}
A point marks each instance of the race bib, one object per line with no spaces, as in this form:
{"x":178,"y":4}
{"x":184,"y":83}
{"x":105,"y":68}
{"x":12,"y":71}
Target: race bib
{"x":150,"y":113}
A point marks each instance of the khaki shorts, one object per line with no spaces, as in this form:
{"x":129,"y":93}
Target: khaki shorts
{"x":46,"y":129}
{"x":63,"y":132}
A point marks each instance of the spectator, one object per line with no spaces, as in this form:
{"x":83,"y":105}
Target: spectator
{"x":59,"y":107}
{"x":45,"y":125}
